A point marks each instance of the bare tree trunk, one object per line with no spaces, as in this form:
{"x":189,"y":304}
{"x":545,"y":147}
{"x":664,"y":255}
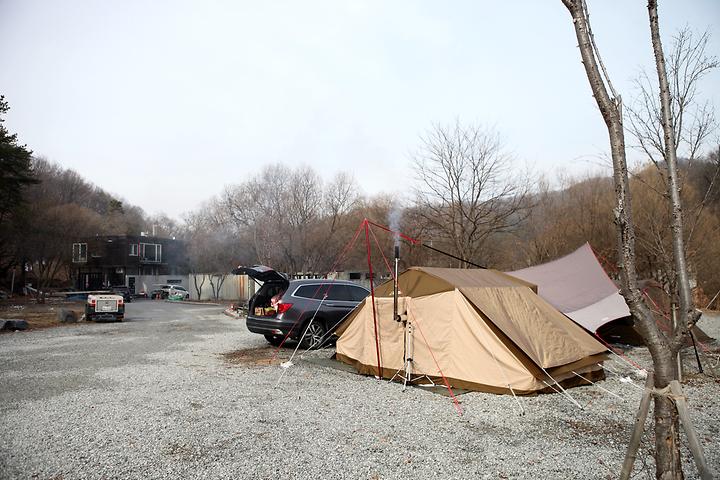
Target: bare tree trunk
{"x":198,"y":288}
{"x":666,"y":423}
{"x":688,"y":314}
{"x":212,"y":286}
{"x":666,"y":426}
{"x":221,"y":277}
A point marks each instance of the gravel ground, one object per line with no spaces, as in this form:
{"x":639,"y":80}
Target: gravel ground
{"x":154,"y":397}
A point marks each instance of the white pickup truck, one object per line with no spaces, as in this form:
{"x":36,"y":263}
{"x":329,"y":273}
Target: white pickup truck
{"x":105,"y":307}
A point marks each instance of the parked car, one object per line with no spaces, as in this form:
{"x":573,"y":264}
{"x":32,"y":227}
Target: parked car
{"x":124,"y":291}
{"x":281,"y":306}
{"x":105,"y":307}
{"x":164,"y":291}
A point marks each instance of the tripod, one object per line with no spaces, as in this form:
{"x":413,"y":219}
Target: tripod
{"x":406,"y":372}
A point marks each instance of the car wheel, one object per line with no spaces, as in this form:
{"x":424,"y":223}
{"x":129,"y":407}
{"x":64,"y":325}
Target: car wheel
{"x":274,"y":340}
{"x":314,"y":335}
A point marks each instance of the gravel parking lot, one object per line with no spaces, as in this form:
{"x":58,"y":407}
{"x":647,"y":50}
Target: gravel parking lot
{"x":156,"y":397}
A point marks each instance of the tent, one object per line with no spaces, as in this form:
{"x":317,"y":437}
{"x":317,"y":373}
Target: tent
{"x":578,"y":286}
{"x":480,"y":329}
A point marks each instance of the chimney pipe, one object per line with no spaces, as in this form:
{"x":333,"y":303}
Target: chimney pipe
{"x":395,"y":286}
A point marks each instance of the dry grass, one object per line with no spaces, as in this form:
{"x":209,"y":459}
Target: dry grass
{"x":38,"y":315}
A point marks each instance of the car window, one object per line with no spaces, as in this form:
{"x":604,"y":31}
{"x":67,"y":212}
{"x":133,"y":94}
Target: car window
{"x":358,"y":294}
{"x":339,"y":292}
{"x":311,"y":291}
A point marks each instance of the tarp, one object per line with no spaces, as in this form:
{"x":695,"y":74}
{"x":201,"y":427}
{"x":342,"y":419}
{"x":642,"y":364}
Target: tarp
{"x":481,"y":329}
{"x":578,"y":286}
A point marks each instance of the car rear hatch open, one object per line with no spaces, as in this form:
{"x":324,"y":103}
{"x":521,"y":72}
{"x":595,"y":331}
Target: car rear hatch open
{"x":274,"y":285}
{"x":261,"y":273}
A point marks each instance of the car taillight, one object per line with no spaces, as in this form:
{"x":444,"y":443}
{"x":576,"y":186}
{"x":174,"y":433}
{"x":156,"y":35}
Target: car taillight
{"x":121,"y":301}
{"x":283,"y":307}
{"x":92,"y":302}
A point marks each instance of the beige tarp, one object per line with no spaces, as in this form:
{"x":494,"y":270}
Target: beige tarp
{"x":490,"y":332}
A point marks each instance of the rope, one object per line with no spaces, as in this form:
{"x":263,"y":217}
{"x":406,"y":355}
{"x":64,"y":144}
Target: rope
{"x":507,"y":382}
{"x":598,"y":386}
{"x":414,"y":241}
{"x":445,"y":380}
{"x":666,"y":392}
{"x":289,"y":363}
{"x":561,"y":388}
{"x":620,"y":355}
{"x":392,"y":273}
{"x":660,"y":311}
{"x":339,"y":258}
{"x":623,"y":378}
{"x":553,"y":388}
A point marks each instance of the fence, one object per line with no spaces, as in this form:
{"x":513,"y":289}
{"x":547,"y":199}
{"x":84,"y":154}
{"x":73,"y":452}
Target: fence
{"x":234,"y":287}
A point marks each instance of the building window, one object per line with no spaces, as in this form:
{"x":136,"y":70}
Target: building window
{"x":151,"y":252}
{"x":133,"y":249}
{"x":79,"y":252}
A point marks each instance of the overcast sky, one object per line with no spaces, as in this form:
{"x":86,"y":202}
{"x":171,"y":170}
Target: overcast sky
{"x":165,"y":102}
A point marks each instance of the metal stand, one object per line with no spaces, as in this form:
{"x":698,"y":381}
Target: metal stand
{"x":406,"y":372}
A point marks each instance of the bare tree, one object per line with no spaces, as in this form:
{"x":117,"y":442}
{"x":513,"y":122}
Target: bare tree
{"x":562,"y":219}
{"x":468,"y":188}
{"x":689,"y":314}
{"x":662,"y":348}
{"x":292,"y":216}
{"x":213,"y":247}
{"x":693,"y":120}
{"x":669,"y":121}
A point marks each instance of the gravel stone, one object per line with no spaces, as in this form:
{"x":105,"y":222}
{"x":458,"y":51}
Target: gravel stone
{"x":155,"y":397}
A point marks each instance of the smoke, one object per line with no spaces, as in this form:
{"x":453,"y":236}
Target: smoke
{"x":394,"y":222}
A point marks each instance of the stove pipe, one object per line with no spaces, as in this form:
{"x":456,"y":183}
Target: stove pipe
{"x":395,"y":286}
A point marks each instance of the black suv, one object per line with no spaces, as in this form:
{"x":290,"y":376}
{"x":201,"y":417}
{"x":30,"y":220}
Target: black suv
{"x":283,"y":306}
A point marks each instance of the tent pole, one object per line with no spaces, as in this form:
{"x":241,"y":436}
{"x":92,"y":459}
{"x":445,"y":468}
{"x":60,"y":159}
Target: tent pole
{"x":372,"y":295}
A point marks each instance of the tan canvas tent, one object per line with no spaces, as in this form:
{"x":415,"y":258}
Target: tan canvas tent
{"x":481,"y":329}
